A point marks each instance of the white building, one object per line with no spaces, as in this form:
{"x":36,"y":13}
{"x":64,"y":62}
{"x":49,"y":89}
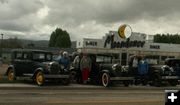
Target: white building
{"x":136,"y":44}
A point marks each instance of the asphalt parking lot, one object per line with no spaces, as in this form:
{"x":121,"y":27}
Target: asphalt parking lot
{"x":27,"y":93}
{"x":80,"y":97}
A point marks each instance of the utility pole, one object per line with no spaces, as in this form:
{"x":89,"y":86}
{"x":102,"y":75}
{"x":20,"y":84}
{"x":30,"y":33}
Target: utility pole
{"x":1,"y":45}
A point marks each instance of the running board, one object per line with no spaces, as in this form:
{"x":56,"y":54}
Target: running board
{"x":121,"y":78}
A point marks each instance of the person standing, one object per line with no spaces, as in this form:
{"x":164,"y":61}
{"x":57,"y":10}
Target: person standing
{"x":85,"y":66}
{"x":143,"y":70}
{"x":135,"y":65}
{"x":76,"y":63}
{"x":60,"y":55}
{"x":143,"y":66}
{"x":64,"y":60}
{"x":1,"y":62}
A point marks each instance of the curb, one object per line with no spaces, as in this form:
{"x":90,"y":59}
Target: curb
{"x":21,"y":86}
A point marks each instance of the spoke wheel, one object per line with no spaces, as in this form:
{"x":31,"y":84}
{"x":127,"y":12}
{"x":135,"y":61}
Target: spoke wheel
{"x":126,"y":83}
{"x":105,"y":79}
{"x":66,"y":81}
{"x":73,"y":75}
{"x":11,"y":76}
{"x":40,"y":78}
{"x":173,"y":82}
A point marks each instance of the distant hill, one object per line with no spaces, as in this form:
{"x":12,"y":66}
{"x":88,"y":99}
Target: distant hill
{"x":34,"y":43}
{"x":41,"y":43}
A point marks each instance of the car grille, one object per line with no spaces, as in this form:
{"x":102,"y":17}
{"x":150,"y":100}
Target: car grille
{"x":54,"y":68}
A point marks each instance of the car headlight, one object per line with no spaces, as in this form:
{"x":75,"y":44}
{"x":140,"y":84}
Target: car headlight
{"x":114,"y":67}
{"x":124,"y":69}
{"x":172,"y":70}
{"x":167,"y":70}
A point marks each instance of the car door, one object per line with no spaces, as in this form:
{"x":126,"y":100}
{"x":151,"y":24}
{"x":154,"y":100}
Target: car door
{"x":28,"y":63}
{"x":18,"y":63}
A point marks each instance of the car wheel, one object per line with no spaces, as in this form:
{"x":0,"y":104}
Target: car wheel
{"x":157,"y":81}
{"x":136,"y":82}
{"x":39,"y":78}
{"x":173,"y":82}
{"x":105,"y":79}
{"x":144,"y":81}
{"x":66,"y":81}
{"x":126,"y":83}
{"x":73,"y":75}
{"x":11,"y":76}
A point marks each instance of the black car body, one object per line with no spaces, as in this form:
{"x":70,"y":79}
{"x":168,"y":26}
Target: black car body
{"x":36,"y":64}
{"x":162,"y":73}
{"x":174,"y":64}
{"x":159,"y":74}
{"x":104,"y":72}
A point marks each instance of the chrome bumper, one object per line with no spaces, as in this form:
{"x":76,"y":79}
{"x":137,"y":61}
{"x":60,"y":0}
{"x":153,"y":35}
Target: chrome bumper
{"x":50,"y":76}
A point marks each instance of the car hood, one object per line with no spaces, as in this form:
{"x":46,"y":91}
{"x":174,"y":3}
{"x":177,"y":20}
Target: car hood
{"x":48,"y":63}
{"x":156,"y":66}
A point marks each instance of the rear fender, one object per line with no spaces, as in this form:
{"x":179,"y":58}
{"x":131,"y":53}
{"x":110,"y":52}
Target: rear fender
{"x":9,"y":68}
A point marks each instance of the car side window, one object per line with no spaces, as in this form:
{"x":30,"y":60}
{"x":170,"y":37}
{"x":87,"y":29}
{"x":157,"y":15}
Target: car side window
{"x":38,"y":56}
{"x":18,"y":55}
{"x":99,"y":59}
{"x":26,"y":56}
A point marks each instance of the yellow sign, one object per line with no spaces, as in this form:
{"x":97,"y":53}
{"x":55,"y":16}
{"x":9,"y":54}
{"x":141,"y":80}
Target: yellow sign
{"x":124,"y":31}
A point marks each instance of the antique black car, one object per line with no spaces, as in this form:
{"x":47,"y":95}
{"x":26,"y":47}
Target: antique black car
{"x":161,"y":74}
{"x":37,"y":65}
{"x":106,"y":73}
{"x":174,"y":64}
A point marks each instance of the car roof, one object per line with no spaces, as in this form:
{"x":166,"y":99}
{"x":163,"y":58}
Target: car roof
{"x":30,"y":50}
{"x":172,"y":59}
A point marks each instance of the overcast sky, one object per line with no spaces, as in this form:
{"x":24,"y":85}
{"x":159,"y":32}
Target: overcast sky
{"x":36,"y":19}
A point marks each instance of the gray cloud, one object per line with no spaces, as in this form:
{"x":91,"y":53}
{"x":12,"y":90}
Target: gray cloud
{"x":3,"y":1}
{"x":18,"y":15}
{"x":88,"y":17}
{"x":111,"y":11}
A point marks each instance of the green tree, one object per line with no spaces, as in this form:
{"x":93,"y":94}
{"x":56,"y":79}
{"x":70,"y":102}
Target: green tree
{"x":60,"y":38}
{"x":167,"y":38}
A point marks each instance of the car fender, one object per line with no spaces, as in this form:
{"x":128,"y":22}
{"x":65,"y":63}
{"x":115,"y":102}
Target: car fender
{"x":104,"y":71}
{"x":36,"y":70}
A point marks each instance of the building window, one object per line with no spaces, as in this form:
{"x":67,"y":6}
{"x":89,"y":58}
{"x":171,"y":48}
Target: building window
{"x":171,"y":56}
